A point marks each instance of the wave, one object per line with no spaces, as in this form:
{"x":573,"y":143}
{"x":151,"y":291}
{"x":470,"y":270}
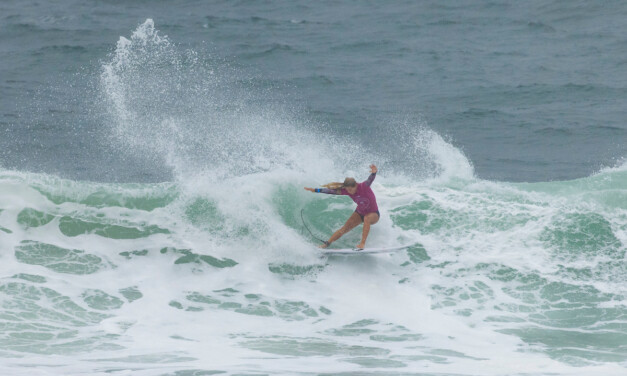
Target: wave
{"x":527,"y":261}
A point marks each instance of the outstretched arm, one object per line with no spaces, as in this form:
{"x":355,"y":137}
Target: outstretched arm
{"x":373,"y":174}
{"x":322,"y":190}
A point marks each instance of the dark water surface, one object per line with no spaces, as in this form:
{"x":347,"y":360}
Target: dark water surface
{"x":529,"y":91}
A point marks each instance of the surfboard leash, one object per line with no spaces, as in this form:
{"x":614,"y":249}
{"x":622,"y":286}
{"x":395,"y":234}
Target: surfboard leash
{"x":310,"y":233}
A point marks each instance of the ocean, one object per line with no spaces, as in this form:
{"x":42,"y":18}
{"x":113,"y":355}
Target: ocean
{"x":153,"y":156}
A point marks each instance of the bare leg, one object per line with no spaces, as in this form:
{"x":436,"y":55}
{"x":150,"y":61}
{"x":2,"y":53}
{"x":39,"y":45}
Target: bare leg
{"x":350,"y":224}
{"x":369,"y":219}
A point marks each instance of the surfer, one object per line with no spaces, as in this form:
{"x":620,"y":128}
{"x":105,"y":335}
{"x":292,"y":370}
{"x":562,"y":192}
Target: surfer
{"x":367,"y":210}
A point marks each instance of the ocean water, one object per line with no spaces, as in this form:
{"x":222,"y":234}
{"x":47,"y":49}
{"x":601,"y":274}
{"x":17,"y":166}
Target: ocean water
{"x":152,"y":163}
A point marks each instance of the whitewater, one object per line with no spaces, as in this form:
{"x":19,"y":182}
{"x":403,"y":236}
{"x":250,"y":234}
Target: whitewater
{"x":213,"y":273}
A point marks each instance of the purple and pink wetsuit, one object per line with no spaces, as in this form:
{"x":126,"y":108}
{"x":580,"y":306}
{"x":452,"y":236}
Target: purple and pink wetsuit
{"x":363,"y":197}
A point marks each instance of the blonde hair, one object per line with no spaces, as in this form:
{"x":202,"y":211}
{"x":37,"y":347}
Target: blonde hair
{"x":337,"y":186}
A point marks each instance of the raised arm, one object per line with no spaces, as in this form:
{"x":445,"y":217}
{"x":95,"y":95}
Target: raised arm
{"x":373,"y":174}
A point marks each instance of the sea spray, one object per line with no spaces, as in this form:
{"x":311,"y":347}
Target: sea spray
{"x":199,"y":116}
{"x":174,"y":107}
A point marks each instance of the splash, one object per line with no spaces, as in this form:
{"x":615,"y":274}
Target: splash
{"x":190,"y":112}
{"x":199,"y":117}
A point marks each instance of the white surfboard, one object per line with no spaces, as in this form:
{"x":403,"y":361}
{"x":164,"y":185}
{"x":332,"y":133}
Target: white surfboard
{"x":358,"y":251}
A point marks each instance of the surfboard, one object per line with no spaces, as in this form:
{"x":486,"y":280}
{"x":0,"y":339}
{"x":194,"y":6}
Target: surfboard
{"x":358,"y":251}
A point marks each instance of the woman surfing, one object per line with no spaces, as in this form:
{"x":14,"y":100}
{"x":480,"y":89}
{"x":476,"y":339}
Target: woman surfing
{"x":367,"y":210}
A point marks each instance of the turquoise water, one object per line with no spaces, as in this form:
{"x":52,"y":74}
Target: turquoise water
{"x":151,"y":188}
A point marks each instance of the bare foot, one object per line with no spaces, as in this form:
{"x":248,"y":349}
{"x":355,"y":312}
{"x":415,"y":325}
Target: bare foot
{"x":361,"y":245}
{"x":324,"y":245}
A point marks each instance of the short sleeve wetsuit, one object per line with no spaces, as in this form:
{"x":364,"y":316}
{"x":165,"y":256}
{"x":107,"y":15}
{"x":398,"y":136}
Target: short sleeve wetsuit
{"x":363,"y":197}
